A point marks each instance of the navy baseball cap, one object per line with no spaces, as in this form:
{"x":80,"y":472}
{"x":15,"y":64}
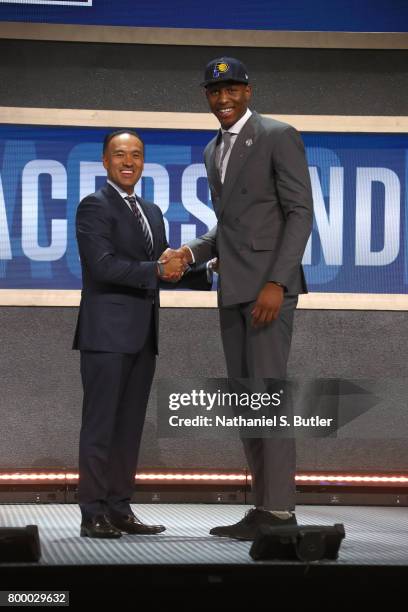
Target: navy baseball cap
{"x":225,"y":69}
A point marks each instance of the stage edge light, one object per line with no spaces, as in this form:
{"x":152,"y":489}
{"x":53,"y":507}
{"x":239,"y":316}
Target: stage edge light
{"x":173,"y":477}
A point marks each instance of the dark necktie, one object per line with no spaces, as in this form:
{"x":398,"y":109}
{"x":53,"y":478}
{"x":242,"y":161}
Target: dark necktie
{"x":142,"y":223}
{"x":226,"y":139}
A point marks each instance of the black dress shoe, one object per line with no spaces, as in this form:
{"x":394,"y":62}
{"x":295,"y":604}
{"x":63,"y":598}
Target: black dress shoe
{"x":129,"y":523}
{"x":247,"y":527}
{"x":99,"y":526}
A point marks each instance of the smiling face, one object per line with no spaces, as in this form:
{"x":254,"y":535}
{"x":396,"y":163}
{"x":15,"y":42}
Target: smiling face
{"x":123,"y":160}
{"x":228,"y":101}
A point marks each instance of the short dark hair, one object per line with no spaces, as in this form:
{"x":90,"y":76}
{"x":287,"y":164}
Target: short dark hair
{"x":111,"y":135}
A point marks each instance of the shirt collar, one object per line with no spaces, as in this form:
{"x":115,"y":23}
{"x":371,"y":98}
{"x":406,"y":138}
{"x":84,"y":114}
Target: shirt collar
{"x":237,"y":127}
{"x":120,"y":191}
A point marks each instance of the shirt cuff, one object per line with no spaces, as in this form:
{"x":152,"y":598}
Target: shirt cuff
{"x":192,"y":254}
{"x":210,"y":273}
{"x":279,"y":285}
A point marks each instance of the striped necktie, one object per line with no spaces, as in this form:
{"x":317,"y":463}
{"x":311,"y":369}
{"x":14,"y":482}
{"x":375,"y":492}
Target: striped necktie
{"x":142,"y":223}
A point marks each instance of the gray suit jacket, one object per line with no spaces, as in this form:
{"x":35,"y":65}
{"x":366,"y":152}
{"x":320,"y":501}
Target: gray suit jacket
{"x":264,"y":211}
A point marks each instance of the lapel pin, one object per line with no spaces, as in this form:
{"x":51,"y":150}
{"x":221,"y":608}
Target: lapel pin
{"x":249,"y":142}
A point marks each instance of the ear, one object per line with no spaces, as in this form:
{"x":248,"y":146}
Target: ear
{"x":105,"y":162}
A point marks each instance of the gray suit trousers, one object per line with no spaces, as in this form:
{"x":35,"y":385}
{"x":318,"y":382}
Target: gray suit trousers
{"x":263,"y":353}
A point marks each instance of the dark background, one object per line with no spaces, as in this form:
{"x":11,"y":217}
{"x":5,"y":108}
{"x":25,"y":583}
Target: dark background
{"x":158,"y":78}
{"x":40,"y":395}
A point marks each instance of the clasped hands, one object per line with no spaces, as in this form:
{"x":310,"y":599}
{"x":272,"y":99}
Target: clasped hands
{"x":174,"y":263}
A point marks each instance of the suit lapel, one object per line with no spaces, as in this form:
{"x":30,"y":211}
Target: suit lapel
{"x":113,"y":196}
{"x":116,"y":200}
{"x":243,"y":147}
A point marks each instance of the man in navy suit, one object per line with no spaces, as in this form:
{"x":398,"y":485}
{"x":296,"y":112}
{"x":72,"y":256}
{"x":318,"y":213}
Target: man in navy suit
{"x":120,"y":238}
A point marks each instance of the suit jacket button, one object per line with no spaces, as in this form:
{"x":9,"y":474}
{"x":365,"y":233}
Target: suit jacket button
{"x":244,"y":191}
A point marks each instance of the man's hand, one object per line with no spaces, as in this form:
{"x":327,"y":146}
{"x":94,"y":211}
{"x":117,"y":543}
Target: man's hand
{"x":267,"y":305}
{"x":183,"y":253}
{"x":172,"y":269}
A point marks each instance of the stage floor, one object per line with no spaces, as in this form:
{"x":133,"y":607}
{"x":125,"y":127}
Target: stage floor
{"x":374,"y":535}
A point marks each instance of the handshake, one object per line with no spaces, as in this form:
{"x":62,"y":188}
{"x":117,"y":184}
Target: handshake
{"x":173,"y":263}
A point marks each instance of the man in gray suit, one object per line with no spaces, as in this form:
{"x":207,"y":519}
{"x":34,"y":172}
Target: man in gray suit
{"x":262,"y":197}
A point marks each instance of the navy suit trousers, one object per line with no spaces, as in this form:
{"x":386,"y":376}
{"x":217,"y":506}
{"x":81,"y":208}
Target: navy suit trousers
{"x":116,"y":392}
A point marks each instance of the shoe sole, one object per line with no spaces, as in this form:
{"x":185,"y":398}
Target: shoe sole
{"x":85,"y":534}
{"x":141,"y":532}
{"x":247,"y":538}
{"x":231,"y":537}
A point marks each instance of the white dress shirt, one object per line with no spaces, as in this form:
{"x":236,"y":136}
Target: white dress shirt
{"x":124,"y":195}
{"x":234,"y":130}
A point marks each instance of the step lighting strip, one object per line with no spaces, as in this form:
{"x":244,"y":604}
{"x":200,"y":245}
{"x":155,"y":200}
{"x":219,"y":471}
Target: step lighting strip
{"x":174,"y":477}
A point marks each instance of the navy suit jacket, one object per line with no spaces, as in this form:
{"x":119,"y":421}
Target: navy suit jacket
{"x":120,"y":290}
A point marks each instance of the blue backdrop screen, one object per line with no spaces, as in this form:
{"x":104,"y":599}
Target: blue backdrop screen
{"x":358,"y":244}
{"x":314,"y":15}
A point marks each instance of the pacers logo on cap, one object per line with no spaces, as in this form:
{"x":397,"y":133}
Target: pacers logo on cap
{"x":219,"y":69}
